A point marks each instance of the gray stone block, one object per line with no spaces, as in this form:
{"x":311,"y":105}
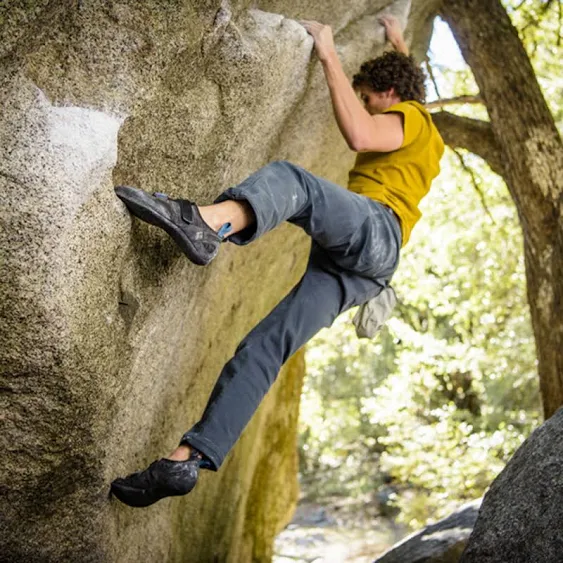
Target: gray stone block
{"x":442,"y":542}
{"x":519,"y":521}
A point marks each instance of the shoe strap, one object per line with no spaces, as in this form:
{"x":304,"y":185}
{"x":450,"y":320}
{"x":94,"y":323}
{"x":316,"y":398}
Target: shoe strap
{"x":186,"y":206}
{"x":188,"y":210}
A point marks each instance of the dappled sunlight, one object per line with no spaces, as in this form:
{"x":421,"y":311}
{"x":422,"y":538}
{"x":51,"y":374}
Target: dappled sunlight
{"x":445,"y":394}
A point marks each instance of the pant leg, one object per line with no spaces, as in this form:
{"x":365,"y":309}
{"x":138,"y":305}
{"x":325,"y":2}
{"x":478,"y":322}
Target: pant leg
{"x":358,"y":233}
{"x":355,"y":251}
{"x":312,"y":304}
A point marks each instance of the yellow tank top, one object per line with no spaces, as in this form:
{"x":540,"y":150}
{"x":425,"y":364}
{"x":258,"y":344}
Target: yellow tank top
{"x":401,"y":178}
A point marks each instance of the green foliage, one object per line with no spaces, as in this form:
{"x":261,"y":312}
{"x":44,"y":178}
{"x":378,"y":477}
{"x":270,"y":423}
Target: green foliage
{"x":540,"y":26}
{"x":449,"y":390}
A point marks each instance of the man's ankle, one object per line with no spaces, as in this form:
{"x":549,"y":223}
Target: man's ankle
{"x":210,"y":218}
{"x":181,"y":453}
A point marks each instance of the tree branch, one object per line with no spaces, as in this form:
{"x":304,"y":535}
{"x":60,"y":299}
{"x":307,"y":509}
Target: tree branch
{"x":475,"y":183}
{"x":468,"y":99}
{"x":474,"y":135}
{"x":431,"y":74}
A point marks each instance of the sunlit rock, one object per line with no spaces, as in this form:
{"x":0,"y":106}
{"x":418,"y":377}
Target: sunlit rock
{"x":442,"y":542}
{"x":518,"y":521}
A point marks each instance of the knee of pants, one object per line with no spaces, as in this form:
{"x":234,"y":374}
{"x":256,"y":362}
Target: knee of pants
{"x":282,"y":164}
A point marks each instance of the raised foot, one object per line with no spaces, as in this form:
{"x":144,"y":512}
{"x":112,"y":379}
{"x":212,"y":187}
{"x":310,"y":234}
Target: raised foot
{"x":180,"y":218}
{"x":162,"y":478}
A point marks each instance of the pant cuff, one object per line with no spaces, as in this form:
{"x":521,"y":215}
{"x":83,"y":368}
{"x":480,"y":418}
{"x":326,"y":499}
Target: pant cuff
{"x":246,"y":236}
{"x":205,"y":447}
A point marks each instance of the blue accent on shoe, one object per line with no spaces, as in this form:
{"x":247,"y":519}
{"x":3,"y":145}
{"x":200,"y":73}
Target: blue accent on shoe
{"x":224,"y":230}
{"x":160,"y":195}
{"x":205,"y":463}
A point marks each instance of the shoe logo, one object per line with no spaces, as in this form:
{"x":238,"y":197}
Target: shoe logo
{"x":199,"y":235}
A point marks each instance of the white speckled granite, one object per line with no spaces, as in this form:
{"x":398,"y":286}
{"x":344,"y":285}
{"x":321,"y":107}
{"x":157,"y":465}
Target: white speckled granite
{"x":110,"y":339}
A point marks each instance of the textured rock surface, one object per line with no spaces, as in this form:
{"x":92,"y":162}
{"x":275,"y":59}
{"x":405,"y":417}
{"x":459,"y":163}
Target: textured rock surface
{"x":520,"y":515}
{"x":111,"y":340}
{"x":442,"y":542}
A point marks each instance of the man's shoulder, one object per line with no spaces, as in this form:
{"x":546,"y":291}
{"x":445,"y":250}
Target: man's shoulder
{"x":416,"y":120}
{"x":407,"y":104}
{"x":411,"y":109}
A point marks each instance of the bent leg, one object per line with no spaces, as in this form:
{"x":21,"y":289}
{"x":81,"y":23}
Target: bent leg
{"x":312,"y":304}
{"x":359,"y":234}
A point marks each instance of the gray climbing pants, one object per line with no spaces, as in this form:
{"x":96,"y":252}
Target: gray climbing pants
{"x":354,"y":253}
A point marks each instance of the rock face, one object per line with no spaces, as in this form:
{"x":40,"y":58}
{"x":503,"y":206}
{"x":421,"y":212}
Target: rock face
{"x":111,"y":339}
{"x":442,"y":542}
{"x":519,"y":518}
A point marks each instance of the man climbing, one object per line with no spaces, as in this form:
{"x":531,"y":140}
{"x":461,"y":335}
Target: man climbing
{"x":356,"y":238}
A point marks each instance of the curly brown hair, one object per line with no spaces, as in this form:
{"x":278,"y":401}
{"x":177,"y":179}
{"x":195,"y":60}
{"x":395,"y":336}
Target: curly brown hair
{"x":393,"y":70}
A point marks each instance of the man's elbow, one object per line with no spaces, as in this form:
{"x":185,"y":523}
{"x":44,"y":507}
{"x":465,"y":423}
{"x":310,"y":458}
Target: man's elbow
{"x":363,"y":145}
{"x":389,"y":144}
{"x":357,"y":144}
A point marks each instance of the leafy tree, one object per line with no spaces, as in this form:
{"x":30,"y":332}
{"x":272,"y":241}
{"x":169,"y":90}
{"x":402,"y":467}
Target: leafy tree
{"x":450,"y":390}
{"x":522,"y":144}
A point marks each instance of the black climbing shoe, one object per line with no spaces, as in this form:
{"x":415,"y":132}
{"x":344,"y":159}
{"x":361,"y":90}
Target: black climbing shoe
{"x":162,"y":478}
{"x":180,"y":218}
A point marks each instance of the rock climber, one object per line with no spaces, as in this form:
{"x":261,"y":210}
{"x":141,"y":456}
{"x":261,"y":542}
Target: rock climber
{"x":356,"y":233}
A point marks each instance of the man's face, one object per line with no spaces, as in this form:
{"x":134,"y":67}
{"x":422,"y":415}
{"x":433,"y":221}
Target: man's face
{"x":376,"y":102}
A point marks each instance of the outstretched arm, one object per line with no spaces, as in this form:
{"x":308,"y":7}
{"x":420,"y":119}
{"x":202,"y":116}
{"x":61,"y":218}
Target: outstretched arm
{"x":394,"y":33}
{"x":362,"y":131}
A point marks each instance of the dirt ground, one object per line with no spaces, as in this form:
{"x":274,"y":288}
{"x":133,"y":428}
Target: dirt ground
{"x":335,"y":534}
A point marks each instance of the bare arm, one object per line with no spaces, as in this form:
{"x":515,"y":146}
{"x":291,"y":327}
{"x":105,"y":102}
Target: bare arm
{"x":362,"y":131}
{"x":394,"y":33}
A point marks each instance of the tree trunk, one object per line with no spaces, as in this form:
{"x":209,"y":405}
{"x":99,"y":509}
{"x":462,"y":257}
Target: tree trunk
{"x":532,"y":153}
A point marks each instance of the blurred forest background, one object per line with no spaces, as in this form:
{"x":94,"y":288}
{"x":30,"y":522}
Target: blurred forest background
{"x":423,"y":418}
